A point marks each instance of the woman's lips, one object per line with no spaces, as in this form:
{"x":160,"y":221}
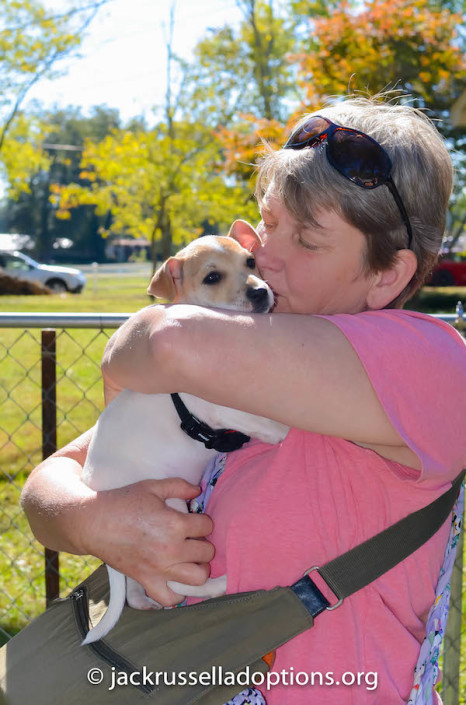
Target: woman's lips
{"x":276,"y":297}
{"x":280,"y":302}
{"x":275,"y":293}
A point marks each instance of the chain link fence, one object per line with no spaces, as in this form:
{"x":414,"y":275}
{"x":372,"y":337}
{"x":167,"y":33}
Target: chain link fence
{"x":50,"y":392}
{"x":46,"y":400}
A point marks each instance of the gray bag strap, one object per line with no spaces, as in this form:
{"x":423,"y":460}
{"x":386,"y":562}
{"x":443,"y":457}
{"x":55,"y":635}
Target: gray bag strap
{"x":369,"y":560}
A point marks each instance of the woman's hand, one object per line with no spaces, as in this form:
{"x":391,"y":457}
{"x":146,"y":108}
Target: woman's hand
{"x":130,"y":528}
{"x":134,"y":531}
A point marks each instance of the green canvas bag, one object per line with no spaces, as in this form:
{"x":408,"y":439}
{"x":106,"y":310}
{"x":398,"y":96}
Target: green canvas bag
{"x":204,"y":653}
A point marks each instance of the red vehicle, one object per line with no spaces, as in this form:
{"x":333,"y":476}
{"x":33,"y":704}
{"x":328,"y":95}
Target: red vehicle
{"x":450,"y":270}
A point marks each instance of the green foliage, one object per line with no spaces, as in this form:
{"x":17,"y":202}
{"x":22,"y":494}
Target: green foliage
{"x":22,"y":156}
{"x":402,"y":43}
{"x":245,"y":83}
{"x":157,"y":184}
{"x":33,"y":161}
{"x":32,"y":41}
{"x":306,"y":9}
{"x":245,"y":69}
{"x":70,"y":127}
{"x":341,"y":47}
{"x":415,"y":46}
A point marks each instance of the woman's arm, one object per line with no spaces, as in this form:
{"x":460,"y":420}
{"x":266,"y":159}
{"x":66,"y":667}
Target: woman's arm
{"x":300,"y":370}
{"x":130,"y":528}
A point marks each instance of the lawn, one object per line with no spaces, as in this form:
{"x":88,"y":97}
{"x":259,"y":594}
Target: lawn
{"x":79,"y":401}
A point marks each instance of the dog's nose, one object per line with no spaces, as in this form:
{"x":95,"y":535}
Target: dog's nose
{"x":259,"y":297}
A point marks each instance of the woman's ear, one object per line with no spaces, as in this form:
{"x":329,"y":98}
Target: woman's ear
{"x":164,"y":282}
{"x":389,"y":283}
{"x":244,"y":233}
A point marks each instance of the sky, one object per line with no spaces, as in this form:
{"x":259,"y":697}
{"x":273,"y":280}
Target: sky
{"x":122,"y":60}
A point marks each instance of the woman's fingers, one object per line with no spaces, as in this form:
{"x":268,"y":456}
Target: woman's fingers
{"x":197,"y":551}
{"x":136,"y":533}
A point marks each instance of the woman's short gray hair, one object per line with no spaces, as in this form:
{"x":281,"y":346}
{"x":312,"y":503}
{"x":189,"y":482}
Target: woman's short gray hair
{"x":422,"y":170}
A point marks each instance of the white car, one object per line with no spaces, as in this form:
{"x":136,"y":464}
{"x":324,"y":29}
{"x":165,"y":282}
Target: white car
{"x":59,"y":279}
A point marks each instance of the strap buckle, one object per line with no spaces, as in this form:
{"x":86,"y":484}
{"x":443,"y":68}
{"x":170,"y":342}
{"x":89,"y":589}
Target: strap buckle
{"x":199,"y":431}
{"x":340,"y":601}
{"x":221,"y":440}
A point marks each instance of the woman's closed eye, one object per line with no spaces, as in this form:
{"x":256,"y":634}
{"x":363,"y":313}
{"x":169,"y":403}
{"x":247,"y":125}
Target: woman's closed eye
{"x":306,"y":244}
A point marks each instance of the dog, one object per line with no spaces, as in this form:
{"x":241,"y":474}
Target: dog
{"x":138,"y":436}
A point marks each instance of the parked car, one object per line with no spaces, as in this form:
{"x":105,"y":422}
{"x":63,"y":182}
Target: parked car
{"x":59,"y":279}
{"x":450,"y":270}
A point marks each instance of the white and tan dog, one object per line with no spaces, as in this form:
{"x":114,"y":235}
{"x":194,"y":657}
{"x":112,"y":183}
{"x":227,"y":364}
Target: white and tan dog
{"x":138,"y":436}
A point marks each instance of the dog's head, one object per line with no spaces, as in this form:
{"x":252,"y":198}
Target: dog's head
{"x":216,"y":271}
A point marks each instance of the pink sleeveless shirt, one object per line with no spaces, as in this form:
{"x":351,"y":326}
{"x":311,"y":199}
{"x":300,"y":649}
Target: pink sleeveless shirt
{"x":278,"y":510}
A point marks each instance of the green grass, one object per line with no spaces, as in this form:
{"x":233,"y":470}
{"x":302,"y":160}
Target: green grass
{"x":114,"y":294}
{"x":79,"y":402}
{"x":438,"y":299}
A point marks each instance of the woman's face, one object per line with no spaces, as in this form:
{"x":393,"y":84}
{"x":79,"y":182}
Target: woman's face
{"x":311,"y":270}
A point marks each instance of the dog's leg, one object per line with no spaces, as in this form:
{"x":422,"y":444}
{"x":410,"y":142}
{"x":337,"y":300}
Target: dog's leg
{"x":137,"y":597}
{"x":213,"y":587}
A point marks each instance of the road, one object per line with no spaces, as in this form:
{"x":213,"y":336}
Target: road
{"x":122,"y":269}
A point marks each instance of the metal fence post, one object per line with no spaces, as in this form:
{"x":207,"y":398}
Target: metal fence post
{"x":49,"y":444}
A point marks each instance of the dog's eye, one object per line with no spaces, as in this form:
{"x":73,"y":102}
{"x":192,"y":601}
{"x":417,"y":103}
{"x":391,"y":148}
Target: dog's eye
{"x":212,"y":278}
{"x":251,"y":263}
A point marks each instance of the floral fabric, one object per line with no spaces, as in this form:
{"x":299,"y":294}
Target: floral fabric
{"x":427,"y":668}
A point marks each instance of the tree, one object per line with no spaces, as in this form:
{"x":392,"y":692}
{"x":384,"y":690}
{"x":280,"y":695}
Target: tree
{"x":22,"y":156}
{"x":412,"y":45}
{"x":166,"y":184}
{"x":32,"y":42}
{"x":157,"y":185}
{"x":242,"y":83}
{"x":244,"y":70}
{"x":402,"y":43}
{"x":52,"y":144}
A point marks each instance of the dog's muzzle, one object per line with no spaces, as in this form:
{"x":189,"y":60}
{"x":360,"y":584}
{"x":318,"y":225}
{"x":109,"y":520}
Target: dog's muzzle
{"x":261,"y":298}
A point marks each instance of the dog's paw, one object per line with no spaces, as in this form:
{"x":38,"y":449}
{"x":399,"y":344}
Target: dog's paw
{"x":137,"y":597}
{"x":213,"y":587}
{"x":143,"y":603}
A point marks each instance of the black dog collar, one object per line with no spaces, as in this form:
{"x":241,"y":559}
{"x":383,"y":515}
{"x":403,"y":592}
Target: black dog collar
{"x":221,"y":440}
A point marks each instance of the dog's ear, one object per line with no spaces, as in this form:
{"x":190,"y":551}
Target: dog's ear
{"x":244,"y":233}
{"x":164,"y":282}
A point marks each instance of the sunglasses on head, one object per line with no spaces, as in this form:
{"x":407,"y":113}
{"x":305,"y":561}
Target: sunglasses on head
{"x":355,"y":155}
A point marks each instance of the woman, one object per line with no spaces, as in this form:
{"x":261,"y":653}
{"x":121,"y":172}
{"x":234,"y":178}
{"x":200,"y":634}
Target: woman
{"x":351,"y":223}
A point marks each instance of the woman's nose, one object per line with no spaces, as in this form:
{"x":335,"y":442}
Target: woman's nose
{"x":268,"y":255}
